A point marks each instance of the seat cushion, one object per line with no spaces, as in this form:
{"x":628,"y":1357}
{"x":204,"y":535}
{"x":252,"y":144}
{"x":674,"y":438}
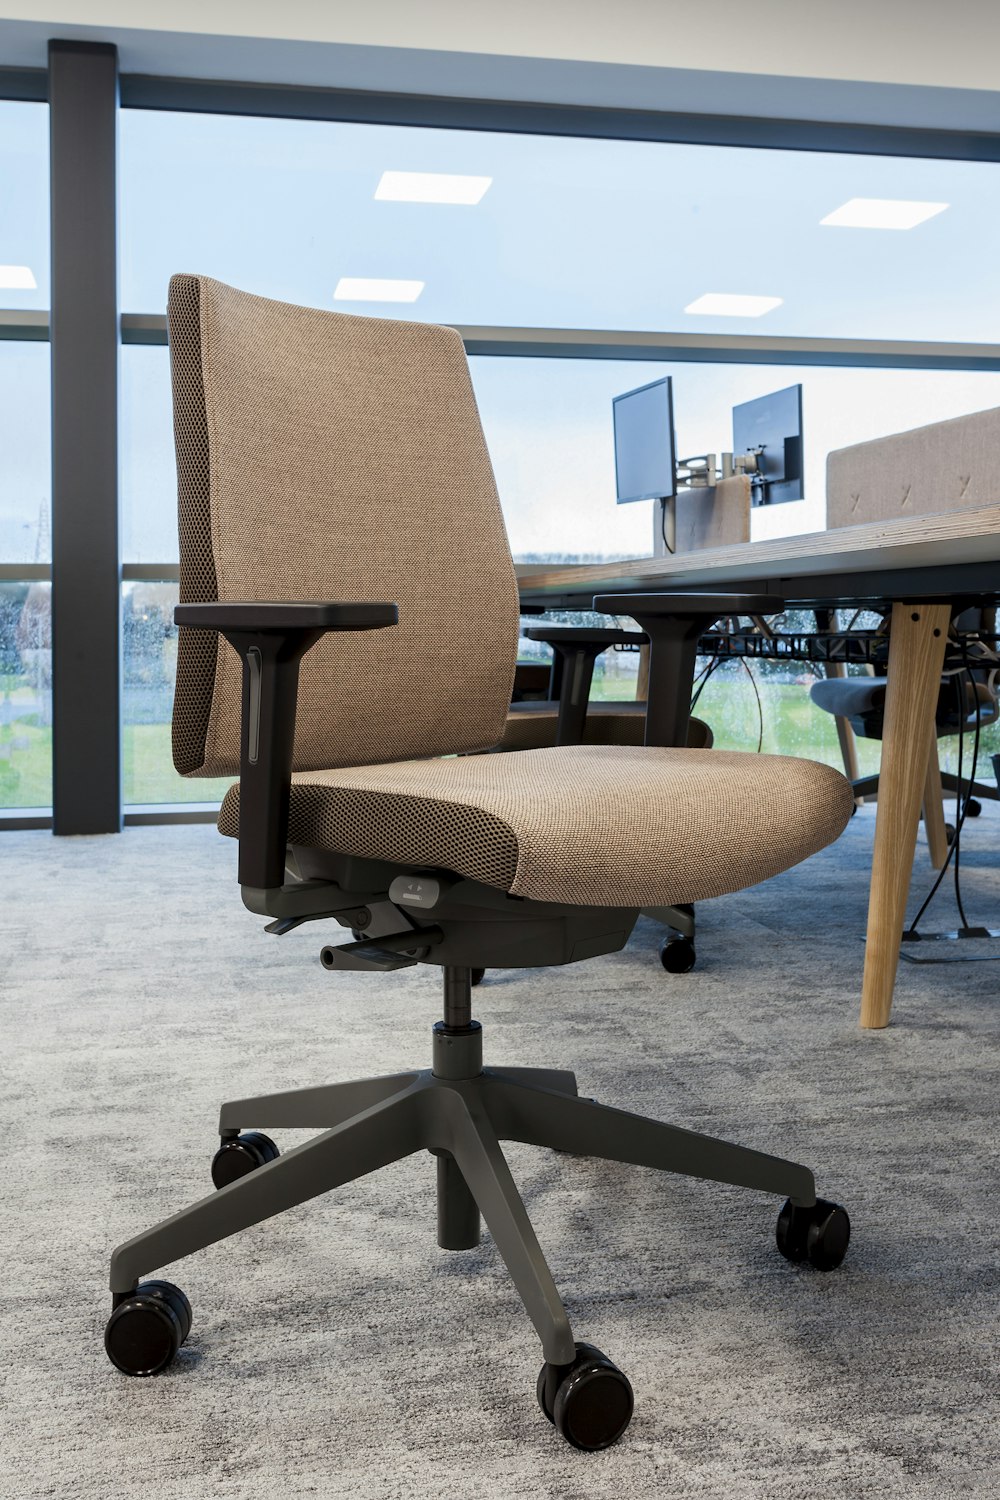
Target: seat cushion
{"x":532,"y":726}
{"x":589,"y":825}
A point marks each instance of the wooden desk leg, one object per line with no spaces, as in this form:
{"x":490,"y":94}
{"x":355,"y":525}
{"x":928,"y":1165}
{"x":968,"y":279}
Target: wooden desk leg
{"x":937,"y":837}
{"x":916,"y":655}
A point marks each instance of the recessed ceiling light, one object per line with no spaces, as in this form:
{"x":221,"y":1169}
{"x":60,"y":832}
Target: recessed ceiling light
{"x":732,"y":305}
{"x":882,"y":213}
{"x":17,"y":278}
{"x":374,"y":289}
{"x":430,"y":187}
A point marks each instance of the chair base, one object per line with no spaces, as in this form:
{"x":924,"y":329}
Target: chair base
{"x":461,"y":1118}
{"x":459,"y":1111}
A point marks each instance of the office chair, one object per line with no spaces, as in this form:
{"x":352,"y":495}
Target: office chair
{"x":961,"y":702}
{"x":340,"y":459}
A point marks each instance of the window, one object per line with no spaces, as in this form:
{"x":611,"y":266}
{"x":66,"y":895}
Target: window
{"x":25,"y":466}
{"x":24,"y":205}
{"x":150,"y":650}
{"x":25,"y":695}
{"x":570,"y":233}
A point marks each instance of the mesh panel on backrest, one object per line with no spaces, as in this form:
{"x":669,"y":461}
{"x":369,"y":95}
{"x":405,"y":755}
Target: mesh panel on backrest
{"x":325,"y":456}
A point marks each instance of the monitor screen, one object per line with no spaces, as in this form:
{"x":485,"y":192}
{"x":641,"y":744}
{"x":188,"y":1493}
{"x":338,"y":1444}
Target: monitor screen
{"x":644,"y":442}
{"x":773,"y":423}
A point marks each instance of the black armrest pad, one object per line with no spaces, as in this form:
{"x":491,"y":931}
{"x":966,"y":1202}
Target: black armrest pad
{"x":284,"y":617}
{"x":582,"y":635}
{"x":688,"y":604}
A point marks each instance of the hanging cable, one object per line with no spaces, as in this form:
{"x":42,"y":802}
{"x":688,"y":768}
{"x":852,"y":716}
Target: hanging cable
{"x":961,"y":807}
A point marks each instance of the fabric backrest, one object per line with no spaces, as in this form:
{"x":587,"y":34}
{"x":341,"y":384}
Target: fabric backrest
{"x":322,"y":456}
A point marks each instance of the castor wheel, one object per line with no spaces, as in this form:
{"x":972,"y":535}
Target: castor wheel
{"x":677,"y":955}
{"x":588,"y":1402}
{"x":819,"y":1234}
{"x":147,"y":1328}
{"x":973,"y":807}
{"x":243,"y":1154}
{"x":949,"y":832}
{"x":477,"y":976}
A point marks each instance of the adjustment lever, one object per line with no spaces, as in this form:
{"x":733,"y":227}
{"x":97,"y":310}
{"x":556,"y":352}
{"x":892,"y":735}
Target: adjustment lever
{"x":398,"y":950}
{"x":353,"y":916}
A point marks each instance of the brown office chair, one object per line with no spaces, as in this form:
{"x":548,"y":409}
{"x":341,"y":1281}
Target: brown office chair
{"x":332,"y":458}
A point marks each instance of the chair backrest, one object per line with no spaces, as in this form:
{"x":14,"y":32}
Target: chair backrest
{"x":322,"y":456}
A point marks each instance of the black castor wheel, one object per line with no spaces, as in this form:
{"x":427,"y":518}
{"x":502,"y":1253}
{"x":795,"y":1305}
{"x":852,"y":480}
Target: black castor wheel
{"x":477,"y":976}
{"x":147,"y":1328}
{"x":588,"y":1402}
{"x":677,"y":955}
{"x":243,"y":1154}
{"x":820,"y":1234}
{"x":973,"y":807}
{"x":949,"y":832}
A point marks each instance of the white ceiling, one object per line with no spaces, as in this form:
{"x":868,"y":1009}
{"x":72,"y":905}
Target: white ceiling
{"x":890,"y":41}
{"x":907,"y":62}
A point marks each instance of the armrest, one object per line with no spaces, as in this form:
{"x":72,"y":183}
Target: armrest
{"x":674,"y":624}
{"x":272,"y":640}
{"x":222,"y":615}
{"x":575,"y":648}
{"x":574,"y":635}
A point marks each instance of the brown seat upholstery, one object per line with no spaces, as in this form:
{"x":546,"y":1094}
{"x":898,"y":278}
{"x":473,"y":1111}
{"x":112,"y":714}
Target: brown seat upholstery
{"x":644,"y":827}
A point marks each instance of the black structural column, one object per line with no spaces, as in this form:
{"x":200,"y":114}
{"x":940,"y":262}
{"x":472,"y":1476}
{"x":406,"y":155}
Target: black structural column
{"x":86,"y":578}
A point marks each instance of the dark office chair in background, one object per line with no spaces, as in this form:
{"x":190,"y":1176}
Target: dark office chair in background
{"x":324,"y":458}
{"x":965,"y":698}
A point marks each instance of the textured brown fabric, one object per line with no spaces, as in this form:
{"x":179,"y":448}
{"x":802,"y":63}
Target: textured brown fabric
{"x":591,"y":825}
{"x":532,"y":726}
{"x":946,"y":466}
{"x":325,"y":456}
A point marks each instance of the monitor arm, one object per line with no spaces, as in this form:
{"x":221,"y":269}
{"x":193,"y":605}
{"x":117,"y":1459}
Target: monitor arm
{"x":271,"y":640}
{"x":675,"y":623}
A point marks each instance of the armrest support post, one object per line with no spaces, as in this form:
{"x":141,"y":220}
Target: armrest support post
{"x":267,"y":740}
{"x":575,"y":649}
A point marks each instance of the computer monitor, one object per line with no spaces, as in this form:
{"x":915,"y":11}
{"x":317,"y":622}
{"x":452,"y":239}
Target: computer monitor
{"x":773,"y":425}
{"x":644,"y":442}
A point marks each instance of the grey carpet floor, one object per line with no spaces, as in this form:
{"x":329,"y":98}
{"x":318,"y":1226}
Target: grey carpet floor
{"x":337,"y":1352}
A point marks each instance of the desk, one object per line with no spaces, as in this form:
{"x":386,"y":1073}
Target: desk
{"x":921,"y":566}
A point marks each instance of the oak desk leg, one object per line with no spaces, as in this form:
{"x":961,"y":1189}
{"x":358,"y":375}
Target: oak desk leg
{"x":916,"y":655}
{"x":937,"y":837}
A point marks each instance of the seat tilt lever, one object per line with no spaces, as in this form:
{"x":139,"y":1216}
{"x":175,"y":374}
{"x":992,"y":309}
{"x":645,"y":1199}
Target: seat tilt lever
{"x":398,"y":950}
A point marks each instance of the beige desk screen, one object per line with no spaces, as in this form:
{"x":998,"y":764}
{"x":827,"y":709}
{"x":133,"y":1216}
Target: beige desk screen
{"x":717,"y":517}
{"x":947,"y":466}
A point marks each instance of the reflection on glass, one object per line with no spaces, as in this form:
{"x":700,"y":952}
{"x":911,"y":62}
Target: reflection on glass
{"x":150,"y":657}
{"x":571,"y":232}
{"x":25,"y":695}
{"x":24,"y":204}
{"x":548,"y":428}
{"x":25,"y":465}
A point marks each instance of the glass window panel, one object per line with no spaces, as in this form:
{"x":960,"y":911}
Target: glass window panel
{"x":570,"y":233}
{"x":148,"y":471}
{"x":25,"y":463}
{"x":548,"y":427}
{"x":24,"y":204}
{"x":25,"y":695}
{"x":150,"y":656}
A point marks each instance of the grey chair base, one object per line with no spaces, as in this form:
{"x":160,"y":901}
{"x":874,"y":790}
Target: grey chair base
{"x":460,"y":1111}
